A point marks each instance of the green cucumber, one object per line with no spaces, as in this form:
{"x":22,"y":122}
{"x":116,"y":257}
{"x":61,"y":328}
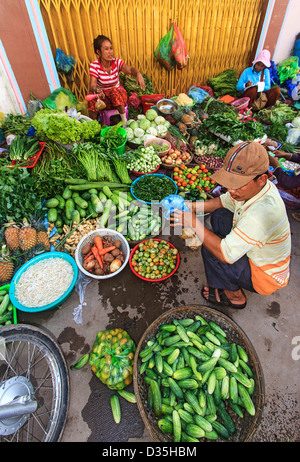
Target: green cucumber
{"x":116,"y":408}
{"x":52,"y":215}
{"x":69,"y":207}
{"x":61,"y":201}
{"x":157,"y":399}
{"x":4,"y":304}
{"x":81,"y":362}
{"x":67,"y":193}
{"x":51,"y":203}
{"x":176,"y":426}
{"x":75,"y":216}
{"x":130,"y":397}
{"x":81,"y":202}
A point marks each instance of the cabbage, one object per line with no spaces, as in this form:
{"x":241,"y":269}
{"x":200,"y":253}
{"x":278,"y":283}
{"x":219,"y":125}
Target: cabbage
{"x":130,"y":134}
{"x":151,"y":114}
{"x":147,"y":137}
{"x":129,"y":121}
{"x":141,"y":116}
{"x":134,"y":124}
{"x":153,"y":124}
{"x":296,"y":121}
{"x":138,"y":132}
{"x":152,"y":131}
{"x":137,"y":140}
{"x":162,"y":130}
{"x":167,"y":123}
{"x":144,"y":124}
{"x":159,"y":120}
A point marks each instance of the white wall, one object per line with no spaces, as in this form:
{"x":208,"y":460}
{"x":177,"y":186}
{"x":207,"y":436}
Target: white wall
{"x":290,"y":29}
{"x":8,"y":101}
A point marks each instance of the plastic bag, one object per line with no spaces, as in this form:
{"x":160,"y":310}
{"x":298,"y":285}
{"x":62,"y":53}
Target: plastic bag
{"x":179,"y":49}
{"x":60,"y":99}
{"x":173,"y":202}
{"x":112,"y":357}
{"x":288,"y":69}
{"x":164,"y":53}
{"x":64,"y":63}
{"x":198,"y":94}
{"x":293,"y":136}
{"x":80,"y":286}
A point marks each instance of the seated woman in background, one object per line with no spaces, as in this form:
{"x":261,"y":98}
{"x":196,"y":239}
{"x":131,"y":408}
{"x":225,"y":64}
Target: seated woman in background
{"x":104,"y":78}
{"x":291,"y":184}
{"x":251,"y":78}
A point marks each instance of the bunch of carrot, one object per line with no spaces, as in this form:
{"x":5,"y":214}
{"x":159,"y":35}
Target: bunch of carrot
{"x":93,"y":254}
{"x":97,"y":251}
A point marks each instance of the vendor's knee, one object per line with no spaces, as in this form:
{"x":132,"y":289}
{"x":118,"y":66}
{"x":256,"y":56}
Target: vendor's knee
{"x":221,"y":221}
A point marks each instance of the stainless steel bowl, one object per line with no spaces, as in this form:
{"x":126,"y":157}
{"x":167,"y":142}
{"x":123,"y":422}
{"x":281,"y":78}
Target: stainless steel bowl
{"x":167,"y":106}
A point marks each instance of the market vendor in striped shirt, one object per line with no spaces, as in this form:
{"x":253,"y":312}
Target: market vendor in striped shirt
{"x":249,"y":246}
{"x":104,"y":78}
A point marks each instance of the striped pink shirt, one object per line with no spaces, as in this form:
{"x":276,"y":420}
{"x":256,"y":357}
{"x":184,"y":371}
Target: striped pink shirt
{"x":107,"y":81}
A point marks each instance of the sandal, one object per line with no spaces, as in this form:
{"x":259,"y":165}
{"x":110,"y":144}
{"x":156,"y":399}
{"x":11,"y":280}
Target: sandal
{"x":224,"y":300}
{"x":296,"y":216}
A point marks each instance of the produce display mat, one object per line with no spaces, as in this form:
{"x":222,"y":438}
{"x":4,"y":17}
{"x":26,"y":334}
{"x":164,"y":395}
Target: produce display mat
{"x":246,"y":426}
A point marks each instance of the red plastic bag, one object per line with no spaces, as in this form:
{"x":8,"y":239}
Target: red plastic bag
{"x":179,"y":49}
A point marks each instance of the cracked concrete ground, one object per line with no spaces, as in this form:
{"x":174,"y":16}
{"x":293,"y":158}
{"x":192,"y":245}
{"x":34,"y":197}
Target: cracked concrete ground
{"x":271,"y":323}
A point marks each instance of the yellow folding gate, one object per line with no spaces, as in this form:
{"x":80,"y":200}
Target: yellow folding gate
{"x":218,"y":34}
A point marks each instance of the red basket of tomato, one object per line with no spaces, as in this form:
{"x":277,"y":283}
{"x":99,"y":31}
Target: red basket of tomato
{"x":193,"y":176}
{"x":154,"y":260}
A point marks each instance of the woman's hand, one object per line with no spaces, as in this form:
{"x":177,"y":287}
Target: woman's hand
{"x":248,"y":84}
{"x":140,"y":81}
{"x":273,"y":162}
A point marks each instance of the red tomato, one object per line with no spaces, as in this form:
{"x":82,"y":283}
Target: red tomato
{"x":205,"y":170}
{"x":191,"y":182}
{"x":176,"y":177}
{"x":202,"y":166}
{"x":184,"y":183}
{"x":189,"y":175}
{"x":207,"y":188}
{"x":199,"y":187}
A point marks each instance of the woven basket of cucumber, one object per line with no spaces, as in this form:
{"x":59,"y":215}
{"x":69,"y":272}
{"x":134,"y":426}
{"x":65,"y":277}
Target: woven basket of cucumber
{"x":197,"y":378}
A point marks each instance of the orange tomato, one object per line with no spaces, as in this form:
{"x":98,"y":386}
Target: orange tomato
{"x":202,"y":166}
{"x":176,"y":169}
{"x":184,"y":183}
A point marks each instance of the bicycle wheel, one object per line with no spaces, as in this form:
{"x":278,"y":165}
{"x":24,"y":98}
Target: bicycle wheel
{"x":32,"y":363}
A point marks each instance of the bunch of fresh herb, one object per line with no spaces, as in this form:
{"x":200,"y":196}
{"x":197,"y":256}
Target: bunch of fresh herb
{"x":18,"y":195}
{"x":15,"y":124}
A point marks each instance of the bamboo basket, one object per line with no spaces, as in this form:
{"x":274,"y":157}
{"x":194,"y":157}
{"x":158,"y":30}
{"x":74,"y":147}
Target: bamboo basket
{"x":246,"y":426}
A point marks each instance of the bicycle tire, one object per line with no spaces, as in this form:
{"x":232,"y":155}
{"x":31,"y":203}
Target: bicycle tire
{"x":45,"y":340}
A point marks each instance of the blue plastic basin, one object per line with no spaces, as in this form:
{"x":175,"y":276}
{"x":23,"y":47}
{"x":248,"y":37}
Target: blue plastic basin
{"x":31,"y":262}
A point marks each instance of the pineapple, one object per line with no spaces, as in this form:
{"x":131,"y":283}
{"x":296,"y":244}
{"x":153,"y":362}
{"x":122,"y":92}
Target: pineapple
{"x":27,"y":236}
{"x":6,"y":265}
{"x":11,"y":235}
{"x":41,"y":236}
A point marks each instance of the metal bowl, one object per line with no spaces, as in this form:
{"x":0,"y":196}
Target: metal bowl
{"x":167,"y":106}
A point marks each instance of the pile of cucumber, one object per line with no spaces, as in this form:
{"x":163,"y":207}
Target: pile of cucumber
{"x":110,"y":202}
{"x":6,"y":308}
{"x":198,"y":380}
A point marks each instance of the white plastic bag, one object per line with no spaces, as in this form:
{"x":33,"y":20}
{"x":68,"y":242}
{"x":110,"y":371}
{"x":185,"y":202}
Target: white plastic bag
{"x":80,"y":286}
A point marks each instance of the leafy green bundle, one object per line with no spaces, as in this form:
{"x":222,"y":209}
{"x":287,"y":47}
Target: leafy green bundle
{"x":58,"y":126}
{"x":224,"y":83}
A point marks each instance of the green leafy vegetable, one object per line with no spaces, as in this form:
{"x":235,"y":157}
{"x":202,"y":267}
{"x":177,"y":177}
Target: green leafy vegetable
{"x":153,"y":188}
{"x":58,"y":126}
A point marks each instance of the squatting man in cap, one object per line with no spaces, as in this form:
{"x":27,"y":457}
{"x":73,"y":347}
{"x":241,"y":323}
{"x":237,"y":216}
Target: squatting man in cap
{"x":249,"y":246}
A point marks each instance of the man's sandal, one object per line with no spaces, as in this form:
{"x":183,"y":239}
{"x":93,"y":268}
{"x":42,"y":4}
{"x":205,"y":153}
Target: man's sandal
{"x":224,"y":300}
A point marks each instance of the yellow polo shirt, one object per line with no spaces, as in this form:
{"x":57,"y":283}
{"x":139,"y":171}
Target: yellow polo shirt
{"x":261,"y":230}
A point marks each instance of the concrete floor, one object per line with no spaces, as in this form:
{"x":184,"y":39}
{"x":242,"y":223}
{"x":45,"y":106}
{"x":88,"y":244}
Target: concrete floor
{"x":271,"y":323}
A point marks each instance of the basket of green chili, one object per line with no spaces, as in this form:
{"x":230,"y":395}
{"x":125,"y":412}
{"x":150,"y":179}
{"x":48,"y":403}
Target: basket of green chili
{"x":153,"y":187}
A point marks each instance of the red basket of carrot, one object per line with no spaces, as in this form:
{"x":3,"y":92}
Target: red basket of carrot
{"x":102,"y":253}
